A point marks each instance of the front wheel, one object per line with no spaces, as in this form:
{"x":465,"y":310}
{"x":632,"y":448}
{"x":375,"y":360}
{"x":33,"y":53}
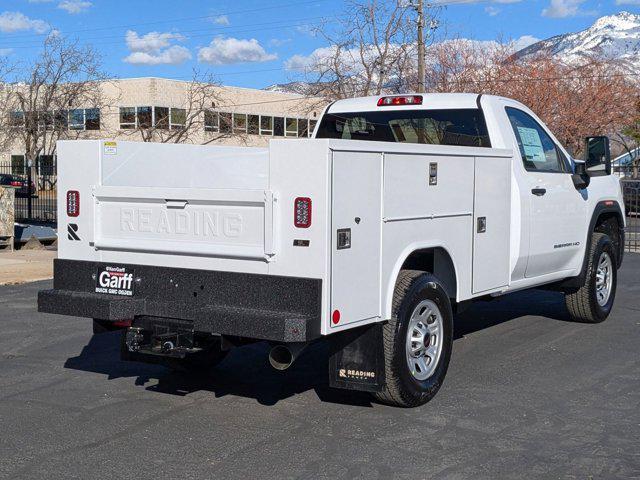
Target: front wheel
{"x":592,"y":302}
{"x":417,"y":340}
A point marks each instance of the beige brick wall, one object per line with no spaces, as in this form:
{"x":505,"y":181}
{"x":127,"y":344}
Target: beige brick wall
{"x":150,"y":92}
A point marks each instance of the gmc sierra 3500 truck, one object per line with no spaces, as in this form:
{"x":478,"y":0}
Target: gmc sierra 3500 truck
{"x":369,"y":235}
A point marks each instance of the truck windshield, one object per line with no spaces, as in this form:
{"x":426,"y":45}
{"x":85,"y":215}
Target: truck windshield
{"x":463,"y":127}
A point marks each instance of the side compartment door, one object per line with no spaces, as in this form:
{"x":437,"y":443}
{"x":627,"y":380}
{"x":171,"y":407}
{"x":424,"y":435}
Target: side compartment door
{"x":356,"y":207}
{"x":492,"y":223}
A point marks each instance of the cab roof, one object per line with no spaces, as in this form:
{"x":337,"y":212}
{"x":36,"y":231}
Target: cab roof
{"x":430,"y":101}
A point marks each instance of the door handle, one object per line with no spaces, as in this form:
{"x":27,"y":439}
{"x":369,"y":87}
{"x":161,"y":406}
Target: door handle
{"x":539,"y":191}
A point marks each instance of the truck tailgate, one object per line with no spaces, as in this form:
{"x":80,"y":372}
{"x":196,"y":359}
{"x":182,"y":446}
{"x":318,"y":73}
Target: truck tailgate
{"x":235,"y":223}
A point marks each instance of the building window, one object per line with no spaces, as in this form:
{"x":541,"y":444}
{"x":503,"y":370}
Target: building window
{"x":211,"y":121}
{"x":303,"y":127}
{"x":61,"y":120}
{"x":312,"y":126}
{"x":278,"y":126}
{"x":127,"y":118}
{"x":292,"y":127}
{"x":161,"y":118}
{"x":253,"y":125}
{"x":225,"y":122}
{"x":266,"y":125}
{"x":46,"y":165}
{"x":18,"y":165}
{"x":76,"y":119}
{"x":239,"y":123}
{"x":45,"y":121}
{"x":92,"y":119}
{"x":16,"y":119}
{"x":144,"y":116}
{"x":178,"y":118}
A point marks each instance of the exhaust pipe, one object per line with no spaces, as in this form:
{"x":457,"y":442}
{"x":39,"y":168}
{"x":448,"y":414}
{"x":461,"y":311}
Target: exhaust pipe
{"x":282,"y":356}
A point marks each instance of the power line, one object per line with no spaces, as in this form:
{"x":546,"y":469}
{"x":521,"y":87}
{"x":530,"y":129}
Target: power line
{"x":271,"y":26}
{"x":184,"y":19}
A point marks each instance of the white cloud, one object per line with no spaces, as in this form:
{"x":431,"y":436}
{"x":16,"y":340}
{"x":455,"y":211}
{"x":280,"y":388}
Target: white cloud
{"x":492,"y":11}
{"x":15,"y":21}
{"x":5,"y":52}
{"x":174,"y":55}
{"x":524,"y":41}
{"x":152,"y":42}
{"x":221,"y":20}
{"x":225,"y":51}
{"x":562,"y":8}
{"x":74,"y":6}
{"x":155,"y":48}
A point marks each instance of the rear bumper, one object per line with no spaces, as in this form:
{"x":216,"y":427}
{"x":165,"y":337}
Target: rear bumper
{"x":265,"y":307}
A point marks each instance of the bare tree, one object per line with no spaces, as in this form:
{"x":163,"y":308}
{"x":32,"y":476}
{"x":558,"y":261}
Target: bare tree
{"x":372,"y":49}
{"x":576,"y":100}
{"x":37,"y":98}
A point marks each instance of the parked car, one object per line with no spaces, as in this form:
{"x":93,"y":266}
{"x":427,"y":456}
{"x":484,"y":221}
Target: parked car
{"x":19,"y":183}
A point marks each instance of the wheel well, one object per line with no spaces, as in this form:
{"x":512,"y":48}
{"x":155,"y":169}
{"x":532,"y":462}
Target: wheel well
{"x":437,"y":261}
{"x":610,"y":223}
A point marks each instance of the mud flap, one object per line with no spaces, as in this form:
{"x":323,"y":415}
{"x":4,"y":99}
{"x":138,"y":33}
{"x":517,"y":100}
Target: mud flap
{"x":356,"y":359}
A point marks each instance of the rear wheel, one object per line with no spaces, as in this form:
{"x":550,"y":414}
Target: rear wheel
{"x":417,"y":340}
{"x":592,"y":302}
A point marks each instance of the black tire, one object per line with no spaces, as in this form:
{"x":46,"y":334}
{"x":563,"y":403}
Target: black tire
{"x":104,"y":326}
{"x":402,"y":389}
{"x":582,"y":303}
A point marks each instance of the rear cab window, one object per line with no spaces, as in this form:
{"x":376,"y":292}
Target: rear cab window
{"x":461,"y":127}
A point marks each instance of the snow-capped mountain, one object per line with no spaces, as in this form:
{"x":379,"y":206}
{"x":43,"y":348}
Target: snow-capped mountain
{"x":612,"y":37}
{"x":301,"y":88}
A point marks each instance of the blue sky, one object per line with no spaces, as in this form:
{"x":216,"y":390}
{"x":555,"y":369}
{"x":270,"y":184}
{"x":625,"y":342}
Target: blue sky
{"x":248,"y":42}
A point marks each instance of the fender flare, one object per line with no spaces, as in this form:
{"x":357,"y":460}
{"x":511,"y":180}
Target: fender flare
{"x":603,"y":206}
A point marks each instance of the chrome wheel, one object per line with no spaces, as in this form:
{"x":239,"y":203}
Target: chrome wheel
{"x":424,"y":340}
{"x":604,"y":279}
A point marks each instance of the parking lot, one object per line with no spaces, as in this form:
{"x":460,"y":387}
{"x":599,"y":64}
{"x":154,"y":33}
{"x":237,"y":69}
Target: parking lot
{"x":529,"y":395}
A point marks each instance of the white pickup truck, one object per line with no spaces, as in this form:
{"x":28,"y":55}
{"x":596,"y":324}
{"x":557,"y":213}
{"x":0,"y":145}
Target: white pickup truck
{"x":370,"y":235}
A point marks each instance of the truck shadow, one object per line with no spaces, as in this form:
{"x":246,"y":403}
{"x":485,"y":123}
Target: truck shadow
{"x":245,"y":371}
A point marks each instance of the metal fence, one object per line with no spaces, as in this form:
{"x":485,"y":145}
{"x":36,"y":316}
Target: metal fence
{"x":631,"y":191}
{"x":36,"y":190}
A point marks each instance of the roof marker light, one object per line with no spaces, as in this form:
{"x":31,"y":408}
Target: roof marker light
{"x":400,"y":100}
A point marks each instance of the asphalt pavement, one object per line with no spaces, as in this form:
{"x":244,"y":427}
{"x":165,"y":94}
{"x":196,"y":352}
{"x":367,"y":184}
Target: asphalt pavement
{"x":529,"y":394}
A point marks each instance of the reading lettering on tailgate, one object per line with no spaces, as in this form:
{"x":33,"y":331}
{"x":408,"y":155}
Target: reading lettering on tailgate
{"x":224,"y":224}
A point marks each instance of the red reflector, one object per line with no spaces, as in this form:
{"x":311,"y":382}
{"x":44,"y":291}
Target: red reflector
{"x":73,"y":203}
{"x":302,"y":212}
{"x":335,"y":318}
{"x":400,"y":100}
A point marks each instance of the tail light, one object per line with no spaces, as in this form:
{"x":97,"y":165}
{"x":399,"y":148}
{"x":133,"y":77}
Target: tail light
{"x":400,"y":100}
{"x":73,"y":203}
{"x":16,"y":184}
{"x":302,"y":212}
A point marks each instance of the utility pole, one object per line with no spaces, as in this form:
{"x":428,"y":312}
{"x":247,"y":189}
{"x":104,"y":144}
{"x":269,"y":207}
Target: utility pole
{"x":421,"y":52}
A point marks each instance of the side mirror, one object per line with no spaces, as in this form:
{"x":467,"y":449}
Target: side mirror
{"x":597,"y":156}
{"x":580,"y":177}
